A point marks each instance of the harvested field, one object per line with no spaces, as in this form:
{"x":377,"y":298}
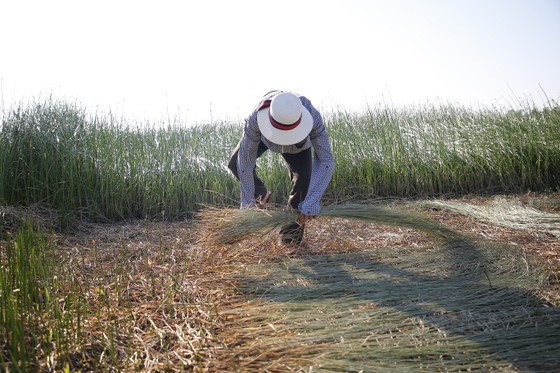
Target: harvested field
{"x":355,"y":296}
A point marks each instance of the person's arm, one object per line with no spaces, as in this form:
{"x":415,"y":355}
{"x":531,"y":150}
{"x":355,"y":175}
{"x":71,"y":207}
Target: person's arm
{"x":322,"y":170}
{"x":246,"y":160}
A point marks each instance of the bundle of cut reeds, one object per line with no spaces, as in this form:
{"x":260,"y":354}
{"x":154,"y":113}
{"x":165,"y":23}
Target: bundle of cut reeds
{"x":230,"y":225}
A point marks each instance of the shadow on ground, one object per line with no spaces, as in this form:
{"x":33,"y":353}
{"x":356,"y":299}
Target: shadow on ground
{"x":454,"y":307}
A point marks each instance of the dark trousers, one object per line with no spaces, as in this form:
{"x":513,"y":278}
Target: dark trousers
{"x":300,"y":173}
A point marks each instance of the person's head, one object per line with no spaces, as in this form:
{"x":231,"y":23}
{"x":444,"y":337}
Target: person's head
{"x":284,"y":120}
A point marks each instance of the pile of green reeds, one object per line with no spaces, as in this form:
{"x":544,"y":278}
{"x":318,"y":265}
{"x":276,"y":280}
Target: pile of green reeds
{"x":456,"y":305}
{"x":229,"y":225}
{"x":390,"y":310}
{"x":505,"y":212}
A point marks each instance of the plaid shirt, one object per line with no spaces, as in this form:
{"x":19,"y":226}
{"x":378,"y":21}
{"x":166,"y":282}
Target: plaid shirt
{"x":323,"y":162}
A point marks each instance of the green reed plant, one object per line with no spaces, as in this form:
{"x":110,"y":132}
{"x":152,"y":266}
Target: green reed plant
{"x":431,"y":150}
{"x":102,"y":167}
{"x":451,"y":307}
{"x":230,"y":225}
{"x":40,"y":319}
{"x":117,"y":307}
{"x":54,"y":153}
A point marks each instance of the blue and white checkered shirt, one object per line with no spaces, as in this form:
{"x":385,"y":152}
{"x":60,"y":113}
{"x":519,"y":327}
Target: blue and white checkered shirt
{"x":323,"y":162}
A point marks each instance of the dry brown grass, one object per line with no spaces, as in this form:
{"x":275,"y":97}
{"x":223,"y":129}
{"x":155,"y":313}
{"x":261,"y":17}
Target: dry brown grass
{"x":271,"y":336}
{"x":147,"y":308}
{"x":156,"y":299}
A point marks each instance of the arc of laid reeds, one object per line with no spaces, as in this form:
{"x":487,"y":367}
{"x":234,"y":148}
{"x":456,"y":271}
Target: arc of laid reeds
{"x":230,"y":225}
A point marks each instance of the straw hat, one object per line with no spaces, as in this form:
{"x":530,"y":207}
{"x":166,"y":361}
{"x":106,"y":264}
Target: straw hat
{"x":284,"y":120}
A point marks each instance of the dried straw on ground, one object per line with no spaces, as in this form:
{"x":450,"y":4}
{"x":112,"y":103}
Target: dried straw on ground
{"x":148,"y":296}
{"x":230,"y":225}
{"x":451,"y":305}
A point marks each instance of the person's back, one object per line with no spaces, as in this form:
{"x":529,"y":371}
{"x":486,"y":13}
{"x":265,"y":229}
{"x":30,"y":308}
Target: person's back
{"x":285,"y":123}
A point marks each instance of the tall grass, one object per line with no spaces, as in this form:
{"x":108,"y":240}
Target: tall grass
{"x":55,"y":153}
{"x":433,"y":150}
{"x":66,"y":310}
{"x":40,"y":308}
{"x":100,"y":166}
{"x":100,"y":307}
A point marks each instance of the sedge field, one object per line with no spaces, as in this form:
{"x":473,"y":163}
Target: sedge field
{"x":106,"y":266}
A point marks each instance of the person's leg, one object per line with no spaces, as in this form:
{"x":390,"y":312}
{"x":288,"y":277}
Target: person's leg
{"x":300,"y":166}
{"x":261,"y":192}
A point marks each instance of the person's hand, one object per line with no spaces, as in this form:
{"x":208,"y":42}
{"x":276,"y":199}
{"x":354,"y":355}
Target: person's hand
{"x":302,"y":219}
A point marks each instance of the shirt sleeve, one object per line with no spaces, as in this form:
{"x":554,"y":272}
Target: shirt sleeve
{"x":323,"y":166}
{"x":246,"y":160}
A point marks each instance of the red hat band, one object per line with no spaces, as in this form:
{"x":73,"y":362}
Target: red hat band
{"x":282,"y":126}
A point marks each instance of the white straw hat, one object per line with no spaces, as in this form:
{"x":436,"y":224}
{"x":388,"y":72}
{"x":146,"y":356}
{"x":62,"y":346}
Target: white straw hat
{"x":284,"y":120}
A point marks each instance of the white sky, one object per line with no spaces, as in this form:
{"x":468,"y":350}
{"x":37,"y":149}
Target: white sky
{"x":208,"y":60}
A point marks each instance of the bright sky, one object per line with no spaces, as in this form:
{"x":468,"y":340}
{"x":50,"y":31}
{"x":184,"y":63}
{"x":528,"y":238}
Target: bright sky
{"x":213,"y":59}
